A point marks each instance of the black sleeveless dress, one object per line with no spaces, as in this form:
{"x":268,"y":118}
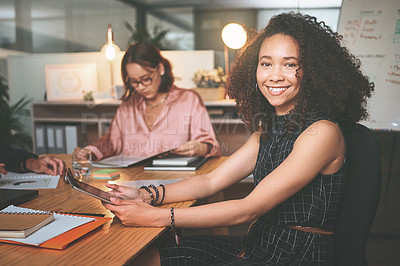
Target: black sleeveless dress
{"x":316,"y":205}
{"x":269,"y":241}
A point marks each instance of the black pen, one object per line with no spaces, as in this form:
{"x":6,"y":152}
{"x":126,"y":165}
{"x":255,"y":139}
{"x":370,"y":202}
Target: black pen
{"x":84,"y":213}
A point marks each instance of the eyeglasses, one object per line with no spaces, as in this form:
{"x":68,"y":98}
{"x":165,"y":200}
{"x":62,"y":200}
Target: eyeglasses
{"x":145,"y":81}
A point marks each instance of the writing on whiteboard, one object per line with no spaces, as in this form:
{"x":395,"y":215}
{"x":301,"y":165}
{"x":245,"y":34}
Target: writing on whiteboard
{"x":371,"y":31}
{"x":396,"y":35}
{"x":364,"y":27}
{"x":371,"y":56}
{"x":393,"y":76}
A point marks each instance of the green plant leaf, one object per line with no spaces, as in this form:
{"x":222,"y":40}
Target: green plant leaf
{"x":140,"y":34}
{"x":11,"y":129}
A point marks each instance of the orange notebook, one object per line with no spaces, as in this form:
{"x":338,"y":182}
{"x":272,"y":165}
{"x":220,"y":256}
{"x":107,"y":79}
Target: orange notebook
{"x":63,"y":240}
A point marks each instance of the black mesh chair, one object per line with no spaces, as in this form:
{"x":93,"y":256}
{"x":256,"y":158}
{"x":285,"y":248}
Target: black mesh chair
{"x":361,"y":196}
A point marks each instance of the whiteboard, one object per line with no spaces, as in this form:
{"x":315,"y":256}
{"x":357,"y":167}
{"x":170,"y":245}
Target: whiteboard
{"x":371,"y":31}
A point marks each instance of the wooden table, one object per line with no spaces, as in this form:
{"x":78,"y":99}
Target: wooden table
{"x":111,"y":244}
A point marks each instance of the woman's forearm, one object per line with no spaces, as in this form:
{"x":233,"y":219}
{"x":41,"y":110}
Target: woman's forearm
{"x":193,"y":188}
{"x":225,"y":213}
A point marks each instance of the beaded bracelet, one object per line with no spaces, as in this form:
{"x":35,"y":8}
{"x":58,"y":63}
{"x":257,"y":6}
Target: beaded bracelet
{"x":163,"y":194}
{"x":157,"y":193}
{"x":174,"y":234}
{"x":151,"y":194}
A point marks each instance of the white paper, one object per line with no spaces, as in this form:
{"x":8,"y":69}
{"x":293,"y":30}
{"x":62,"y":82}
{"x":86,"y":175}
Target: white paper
{"x":28,"y":181}
{"x":61,"y":224}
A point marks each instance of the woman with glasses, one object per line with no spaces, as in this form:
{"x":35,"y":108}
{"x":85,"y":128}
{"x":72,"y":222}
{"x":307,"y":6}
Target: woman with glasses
{"x":155,"y":115}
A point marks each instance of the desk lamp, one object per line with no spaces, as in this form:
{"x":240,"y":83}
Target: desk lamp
{"x":110,"y":49}
{"x":234,"y":36}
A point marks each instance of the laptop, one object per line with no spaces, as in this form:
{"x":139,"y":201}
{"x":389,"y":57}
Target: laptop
{"x":15,"y":197}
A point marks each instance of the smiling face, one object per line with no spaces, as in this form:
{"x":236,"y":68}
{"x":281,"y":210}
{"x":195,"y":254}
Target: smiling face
{"x":278,"y":64}
{"x":145,"y":81}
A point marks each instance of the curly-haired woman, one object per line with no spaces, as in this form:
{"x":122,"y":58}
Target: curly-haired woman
{"x":295,"y":87}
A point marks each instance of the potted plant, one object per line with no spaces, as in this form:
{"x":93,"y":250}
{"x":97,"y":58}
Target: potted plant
{"x":141,"y":34}
{"x":210,"y":84}
{"x":12,"y":129}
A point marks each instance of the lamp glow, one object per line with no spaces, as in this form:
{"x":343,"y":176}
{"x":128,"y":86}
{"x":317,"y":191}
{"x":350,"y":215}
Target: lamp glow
{"x":234,"y":36}
{"x":110,"y":48}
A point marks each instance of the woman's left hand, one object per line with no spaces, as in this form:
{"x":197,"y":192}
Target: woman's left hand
{"x":193,"y":148}
{"x":123,"y":192}
{"x":135,"y":213}
{"x":3,"y":169}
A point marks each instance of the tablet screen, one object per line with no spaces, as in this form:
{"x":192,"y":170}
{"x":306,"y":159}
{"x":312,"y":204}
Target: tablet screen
{"x":87,"y":189}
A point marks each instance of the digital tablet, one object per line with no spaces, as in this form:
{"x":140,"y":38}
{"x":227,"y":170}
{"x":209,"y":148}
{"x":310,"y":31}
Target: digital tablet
{"x":87,"y":189}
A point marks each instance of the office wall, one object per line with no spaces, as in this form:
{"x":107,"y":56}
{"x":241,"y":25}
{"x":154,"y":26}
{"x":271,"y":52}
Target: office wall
{"x":329,"y":16}
{"x":45,"y":26}
{"x":209,"y":24}
{"x":26,"y":73}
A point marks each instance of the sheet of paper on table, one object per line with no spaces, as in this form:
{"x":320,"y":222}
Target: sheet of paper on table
{"x":28,"y":181}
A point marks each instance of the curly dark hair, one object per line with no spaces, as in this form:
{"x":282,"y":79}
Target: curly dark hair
{"x":332,"y":85}
{"x":148,"y":56}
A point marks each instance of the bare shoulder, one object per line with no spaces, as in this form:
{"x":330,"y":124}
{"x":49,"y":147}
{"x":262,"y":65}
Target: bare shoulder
{"x":322,"y":130}
{"x":326,"y":140}
{"x":323,"y":127}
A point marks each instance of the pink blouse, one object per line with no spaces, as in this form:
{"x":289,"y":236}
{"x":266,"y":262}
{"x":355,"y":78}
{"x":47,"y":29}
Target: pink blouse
{"x":182,"y":119}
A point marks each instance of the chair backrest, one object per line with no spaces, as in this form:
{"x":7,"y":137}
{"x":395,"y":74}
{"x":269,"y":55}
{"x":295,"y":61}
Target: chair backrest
{"x":361,"y":196}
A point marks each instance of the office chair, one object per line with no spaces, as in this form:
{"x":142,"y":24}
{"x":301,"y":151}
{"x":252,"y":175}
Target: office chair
{"x":361,"y":196}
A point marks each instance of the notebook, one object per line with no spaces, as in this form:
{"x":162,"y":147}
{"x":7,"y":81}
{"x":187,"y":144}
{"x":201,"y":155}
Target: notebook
{"x":124,"y":160}
{"x":119,"y":161}
{"x":21,"y":225}
{"x":61,"y":224}
{"x":15,"y":197}
{"x":193,"y":166}
{"x":175,"y":160}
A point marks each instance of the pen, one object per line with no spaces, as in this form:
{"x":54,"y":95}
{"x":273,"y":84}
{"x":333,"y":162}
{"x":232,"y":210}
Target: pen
{"x":84,"y":213}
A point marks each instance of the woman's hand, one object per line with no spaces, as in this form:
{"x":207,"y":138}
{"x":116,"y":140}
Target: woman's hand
{"x":47,"y":164}
{"x":2,"y":169}
{"x":136,"y":213}
{"x":123,"y":192}
{"x":193,"y":148}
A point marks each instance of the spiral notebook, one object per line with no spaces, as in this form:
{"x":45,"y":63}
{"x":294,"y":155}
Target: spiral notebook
{"x":28,"y":181}
{"x":21,"y":225}
{"x":61,"y":224}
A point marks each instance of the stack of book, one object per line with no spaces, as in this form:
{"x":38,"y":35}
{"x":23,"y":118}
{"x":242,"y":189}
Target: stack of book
{"x":106,"y":174}
{"x":21,"y":225}
{"x":173,"y":162}
{"x":45,"y":229}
